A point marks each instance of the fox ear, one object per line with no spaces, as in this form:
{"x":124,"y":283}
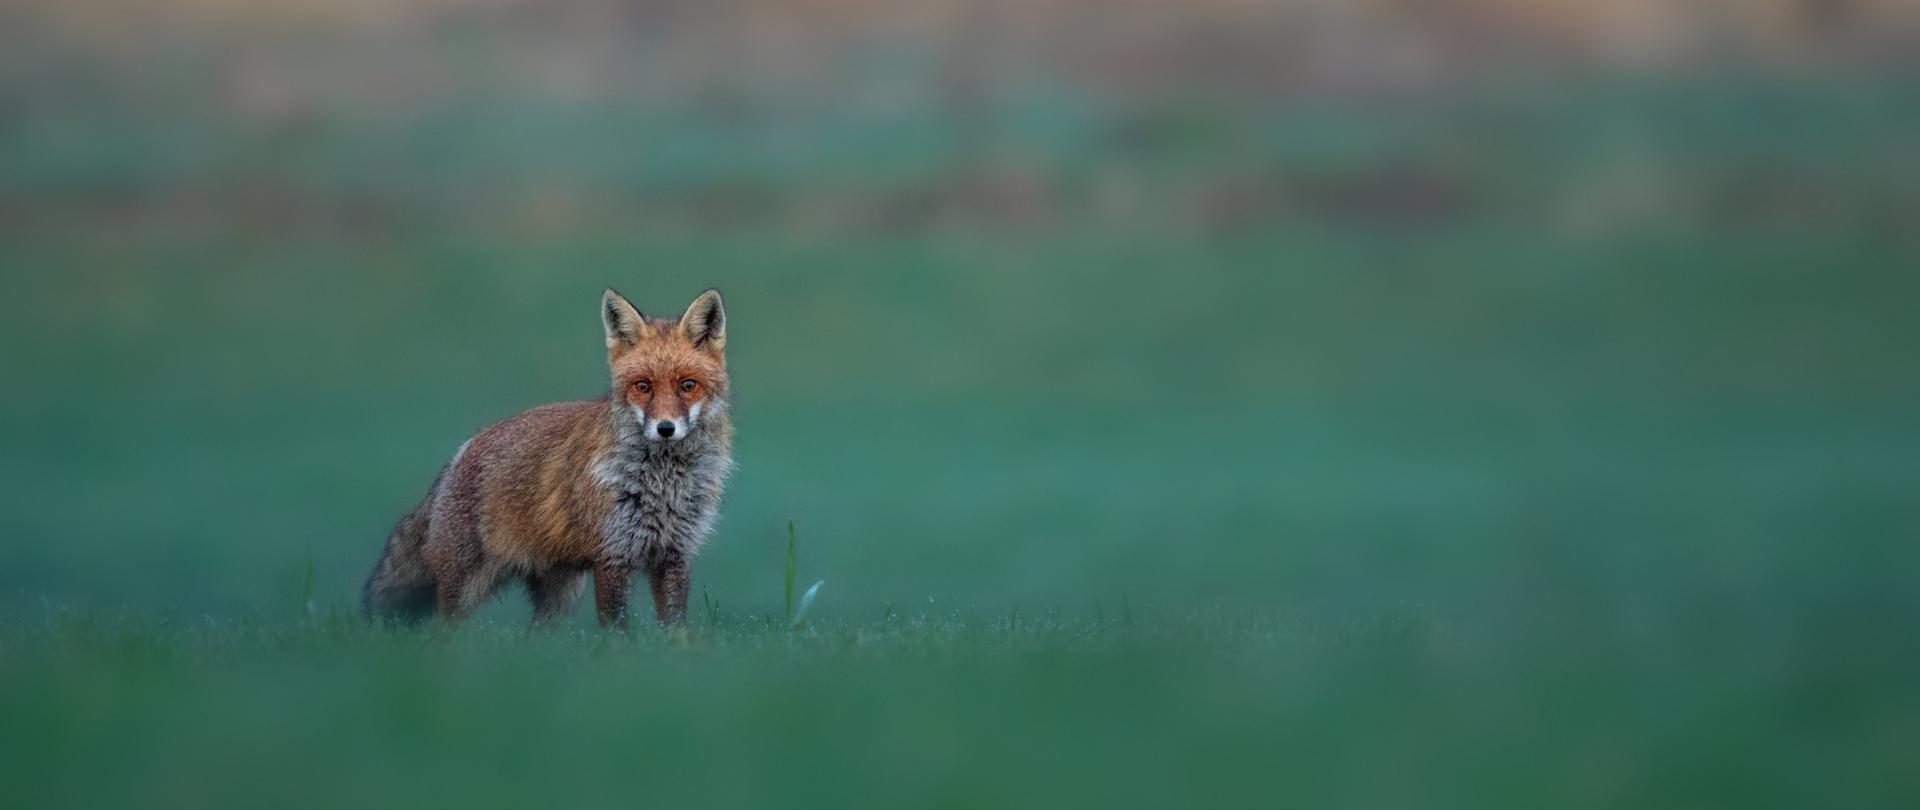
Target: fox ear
{"x":705,"y":323}
{"x":626,"y":327}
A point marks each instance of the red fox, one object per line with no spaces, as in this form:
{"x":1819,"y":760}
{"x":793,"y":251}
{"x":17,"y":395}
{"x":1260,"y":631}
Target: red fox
{"x":627,"y":483}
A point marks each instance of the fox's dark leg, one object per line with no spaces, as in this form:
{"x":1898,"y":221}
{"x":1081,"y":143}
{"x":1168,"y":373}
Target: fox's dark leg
{"x":610,"y":583}
{"x":451,"y":601}
{"x":460,"y":568}
{"x":670,"y":582}
{"x":554,"y":593}
{"x":464,"y":583}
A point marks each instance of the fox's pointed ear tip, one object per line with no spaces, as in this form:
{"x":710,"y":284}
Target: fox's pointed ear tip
{"x":611,"y":294}
{"x":713,"y":291}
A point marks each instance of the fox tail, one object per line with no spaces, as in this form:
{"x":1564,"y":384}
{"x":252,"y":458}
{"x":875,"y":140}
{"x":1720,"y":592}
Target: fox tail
{"x":401,"y":587}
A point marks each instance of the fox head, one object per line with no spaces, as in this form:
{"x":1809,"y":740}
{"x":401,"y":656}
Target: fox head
{"x":672,"y":375}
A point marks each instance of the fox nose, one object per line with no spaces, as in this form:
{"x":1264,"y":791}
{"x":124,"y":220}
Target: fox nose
{"x":665,"y":429}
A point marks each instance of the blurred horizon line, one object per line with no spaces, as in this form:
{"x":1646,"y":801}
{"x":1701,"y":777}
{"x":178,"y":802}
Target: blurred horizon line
{"x":861,"y":116}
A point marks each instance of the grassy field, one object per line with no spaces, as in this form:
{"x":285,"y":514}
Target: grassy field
{"x":1249,"y":707}
{"x":1043,"y":423}
{"x":1449,"y":519}
{"x":1221,"y":707}
{"x":1446,"y":451}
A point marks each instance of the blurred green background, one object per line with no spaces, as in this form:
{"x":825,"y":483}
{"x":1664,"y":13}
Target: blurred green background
{"x":1516,"y":395}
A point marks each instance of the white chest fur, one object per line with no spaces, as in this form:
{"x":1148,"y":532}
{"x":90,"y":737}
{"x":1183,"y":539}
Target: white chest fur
{"x":666,"y":496}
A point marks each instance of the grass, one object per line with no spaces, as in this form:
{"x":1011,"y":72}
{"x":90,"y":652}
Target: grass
{"x":1218,"y":704}
{"x":797,"y":617}
{"x":1462,"y":520}
{"x":1218,"y":707}
{"x":1531,"y":505}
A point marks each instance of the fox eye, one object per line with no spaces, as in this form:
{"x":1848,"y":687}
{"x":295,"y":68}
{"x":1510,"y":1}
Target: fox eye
{"x":688,"y":386}
{"x":643,"y":386}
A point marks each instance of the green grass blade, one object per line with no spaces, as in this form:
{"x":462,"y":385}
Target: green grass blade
{"x":790,"y":571}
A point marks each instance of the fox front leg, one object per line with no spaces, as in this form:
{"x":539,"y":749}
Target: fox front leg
{"x":610,"y":584}
{"x":671,"y":581}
